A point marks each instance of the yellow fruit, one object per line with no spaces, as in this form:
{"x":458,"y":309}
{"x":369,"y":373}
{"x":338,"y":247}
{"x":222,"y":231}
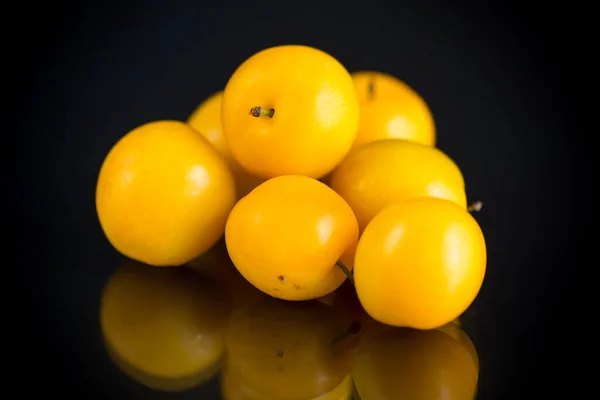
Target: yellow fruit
{"x":391,"y":109}
{"x":206,"y":120}
{"x":287,"y":234}
{"x":380,"y":174}
{"x":420,"y":264}
{"x":164,"y":327}
{"x":418,"y":365}
{"x":163,"y":194}
{"x":290,"y":110}
{"x":289,"y":350}
{"x":394,"y":119}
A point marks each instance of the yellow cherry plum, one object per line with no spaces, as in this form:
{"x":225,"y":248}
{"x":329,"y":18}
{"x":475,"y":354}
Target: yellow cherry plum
{"x":290,"y":110}
{"x":420,"y":264}
{"x":163,"y":194}
{"x":286,"y":236}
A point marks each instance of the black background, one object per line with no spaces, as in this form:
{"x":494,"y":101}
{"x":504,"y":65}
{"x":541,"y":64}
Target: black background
{"x":92,"y":71}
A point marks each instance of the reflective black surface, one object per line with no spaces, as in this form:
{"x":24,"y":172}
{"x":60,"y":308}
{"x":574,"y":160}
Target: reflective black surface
{"x":490,"y":72}
{"x":204,"y":330}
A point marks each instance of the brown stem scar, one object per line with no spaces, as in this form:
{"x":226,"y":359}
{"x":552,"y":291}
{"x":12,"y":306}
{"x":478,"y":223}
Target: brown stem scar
{"x":281,"y":278}
{"x":476,"y":206}
{"x":259,"y":111}
{"x":371,"y":87}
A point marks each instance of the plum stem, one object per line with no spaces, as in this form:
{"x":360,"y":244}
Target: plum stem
{"x":259,"y":111}
{"x":476,"y":206}
{"x":345,"y":270}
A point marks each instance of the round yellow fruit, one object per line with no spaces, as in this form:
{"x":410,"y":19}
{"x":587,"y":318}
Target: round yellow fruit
{"x":383,"y":173}
{"x":420,"y":264}
{"x":163,"y":194}
{"x":286,"y":236}
{"x":206,"y":120}
{"x":164,"y":327}
{"x":391,"y":109}
{"x":290,"y":110}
